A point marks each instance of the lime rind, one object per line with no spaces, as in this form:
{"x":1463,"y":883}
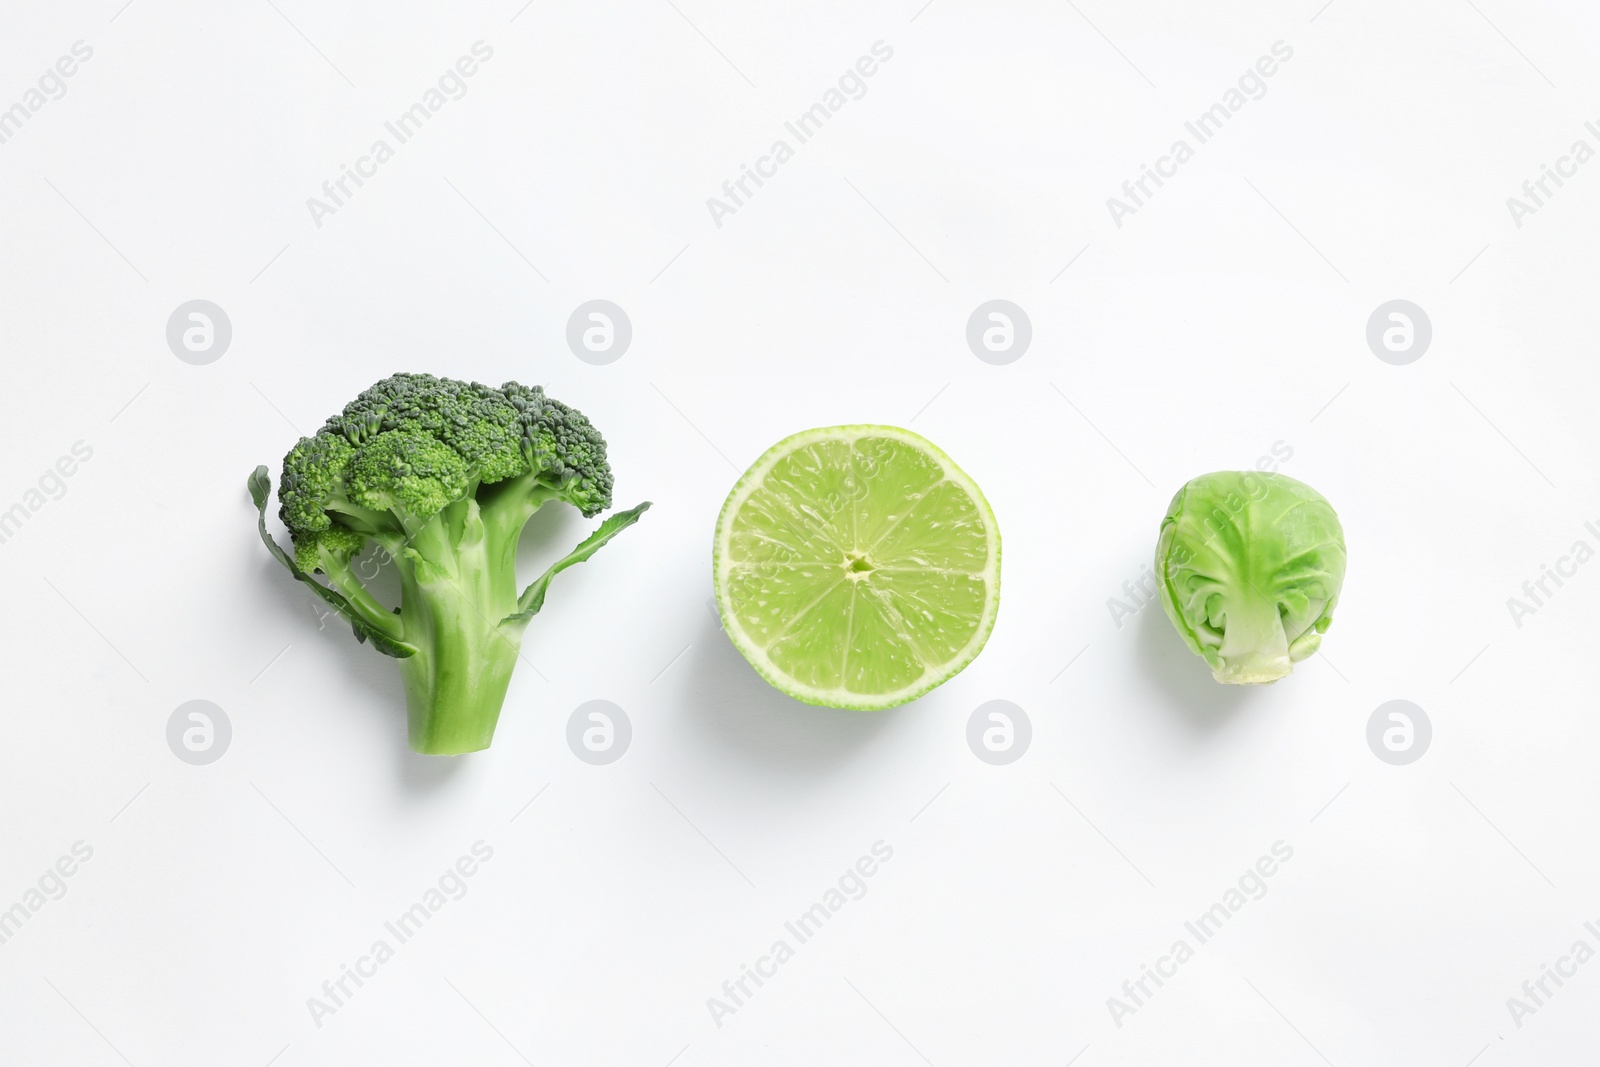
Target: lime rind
{"x":904,"y":581}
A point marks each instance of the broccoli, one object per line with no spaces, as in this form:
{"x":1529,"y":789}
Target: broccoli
{"x":442,"y":475}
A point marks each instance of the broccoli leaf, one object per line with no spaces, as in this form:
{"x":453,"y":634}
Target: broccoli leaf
{"x":532,"y":598}
{"x":260,"y":491}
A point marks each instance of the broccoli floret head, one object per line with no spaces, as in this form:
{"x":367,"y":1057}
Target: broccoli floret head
{"x":335,"y":546}
{"x":313,"y":474}
{"x":474,"y":420}
{"x":407,"y":472}
{"x":563,"y":447}
{"x":413,"y":444}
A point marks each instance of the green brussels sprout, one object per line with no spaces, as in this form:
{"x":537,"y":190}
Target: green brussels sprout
{"x":1249,"y":566}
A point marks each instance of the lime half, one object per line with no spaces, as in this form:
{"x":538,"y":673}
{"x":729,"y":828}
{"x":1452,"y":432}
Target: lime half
{"x":857,"y":567}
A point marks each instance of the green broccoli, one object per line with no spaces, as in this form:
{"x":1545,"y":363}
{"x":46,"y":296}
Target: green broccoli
{"x":443,"y":476}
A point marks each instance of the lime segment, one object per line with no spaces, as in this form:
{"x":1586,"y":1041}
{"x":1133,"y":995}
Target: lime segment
{"x":857,"y":567}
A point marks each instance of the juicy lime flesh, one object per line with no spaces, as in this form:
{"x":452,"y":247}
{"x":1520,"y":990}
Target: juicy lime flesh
{"x":858,"y":565}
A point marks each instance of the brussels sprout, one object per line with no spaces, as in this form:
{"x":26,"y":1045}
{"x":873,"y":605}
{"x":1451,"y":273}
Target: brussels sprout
{"x":1249,"y":566}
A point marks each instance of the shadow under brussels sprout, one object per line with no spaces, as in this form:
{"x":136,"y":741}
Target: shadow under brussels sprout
{"x":1182,"y":677}
{"x":736,"y":709}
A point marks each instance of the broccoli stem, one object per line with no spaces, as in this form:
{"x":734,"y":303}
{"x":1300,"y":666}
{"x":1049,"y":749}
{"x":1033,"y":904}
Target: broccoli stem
{"x":342,"y":578}
{"x":505,"y":509}
{"x":456,"y":684}
{"x":454,"y":603}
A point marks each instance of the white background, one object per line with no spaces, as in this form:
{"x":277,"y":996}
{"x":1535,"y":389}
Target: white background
{"x":1227,"y":315}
